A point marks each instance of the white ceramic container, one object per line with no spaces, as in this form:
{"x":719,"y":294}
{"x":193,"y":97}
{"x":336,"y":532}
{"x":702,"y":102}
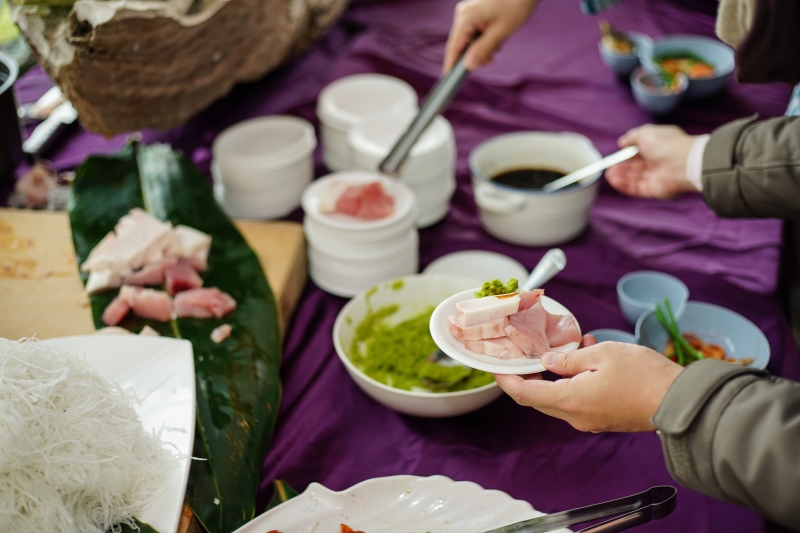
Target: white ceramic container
{"x":351,"y":100}
{"x":414,"y":295}
{"x":533,"y":217}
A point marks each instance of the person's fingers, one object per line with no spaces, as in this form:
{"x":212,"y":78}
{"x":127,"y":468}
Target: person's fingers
{"x":630,"y":138}
{"x":481,"y":52}
{"x":569,"y":363}
{"x":460,"y":35}
{"x":588,"y":340}
{"x":536,"y":393}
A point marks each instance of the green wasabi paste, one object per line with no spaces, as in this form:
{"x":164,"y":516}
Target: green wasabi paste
{"x":496,"y":287}
{"x":398,"y":355}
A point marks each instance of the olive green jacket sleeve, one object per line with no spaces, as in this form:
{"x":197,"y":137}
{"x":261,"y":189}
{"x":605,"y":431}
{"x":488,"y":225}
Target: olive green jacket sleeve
{"x":733,"y":433}
{"x":752,"y":169}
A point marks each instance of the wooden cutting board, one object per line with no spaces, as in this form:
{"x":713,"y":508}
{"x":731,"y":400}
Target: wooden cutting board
{"x":42,"y":294}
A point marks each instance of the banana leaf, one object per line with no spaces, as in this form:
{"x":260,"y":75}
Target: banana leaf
{"x":238,"y":387}
{"x":282,"y":492}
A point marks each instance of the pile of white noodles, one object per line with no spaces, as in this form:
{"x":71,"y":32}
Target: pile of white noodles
{"x":74,"y":457}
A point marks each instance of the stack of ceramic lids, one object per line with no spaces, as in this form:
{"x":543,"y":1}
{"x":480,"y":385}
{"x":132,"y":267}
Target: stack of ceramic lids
{"x":261,"y":166}
{"x":429,"y":169}
{"x":347,"y":255}
{"x":351,"y":100}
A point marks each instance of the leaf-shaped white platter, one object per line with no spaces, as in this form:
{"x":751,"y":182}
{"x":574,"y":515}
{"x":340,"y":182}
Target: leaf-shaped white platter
{"x":396,"y":504}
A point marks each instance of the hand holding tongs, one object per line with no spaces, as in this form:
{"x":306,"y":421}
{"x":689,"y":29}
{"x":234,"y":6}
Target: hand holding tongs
{"x":652,"y":504}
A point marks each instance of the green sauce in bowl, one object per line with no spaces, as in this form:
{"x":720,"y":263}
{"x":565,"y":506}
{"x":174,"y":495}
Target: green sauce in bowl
{"x":398,"y":355}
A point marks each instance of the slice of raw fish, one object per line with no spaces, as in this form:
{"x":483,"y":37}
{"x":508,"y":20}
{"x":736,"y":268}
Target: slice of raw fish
{"x":152,"y":304}
{"x":102,"y":280}
{"x":562,"y":329}
{"x":220,"y":333}
{"x":150,"y":274}
{"x":191,"y":244}
{"x":528,"y":330}
{"x":502,"y":348}
{"x":490,"y":329}
{"x":101,"y":249}
{"x":367,"y":202}
{"x":181,"y":277}
{"x":470,"y":312}
{"x":203,"y":303}
{"x":147,"y":331}
{"x":530,"y":298}
{"x":116,"y":311}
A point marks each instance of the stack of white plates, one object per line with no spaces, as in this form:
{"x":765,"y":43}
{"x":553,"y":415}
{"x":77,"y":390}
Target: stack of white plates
{"x":429,"y":169}
{"x":351,"y":100}
{"x":261,"y":166}
{"x":347,"y":255}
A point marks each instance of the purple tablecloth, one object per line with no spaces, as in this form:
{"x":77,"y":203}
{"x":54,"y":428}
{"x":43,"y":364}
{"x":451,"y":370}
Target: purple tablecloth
{"x":548,"y":77}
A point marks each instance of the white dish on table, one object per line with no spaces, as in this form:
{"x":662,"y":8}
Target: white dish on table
{"x":479,"y":265}
{"x":452,"y":347}
{"x":159,"y":373}
{"x":396,"y":504}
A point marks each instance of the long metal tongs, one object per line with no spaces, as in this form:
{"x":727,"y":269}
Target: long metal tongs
{"x":652,"y":504}
{"x":441,"y":95}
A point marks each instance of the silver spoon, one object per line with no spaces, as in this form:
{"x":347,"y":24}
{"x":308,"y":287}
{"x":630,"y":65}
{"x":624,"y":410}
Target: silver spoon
{"x":591,"y":170}
{"x":550,"y":264}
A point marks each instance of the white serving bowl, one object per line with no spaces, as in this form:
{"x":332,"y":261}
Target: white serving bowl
{"x":264,"y":142}
{"x":418,"y":292}
{"x":351,"y":100}
{"x":533,"y":217}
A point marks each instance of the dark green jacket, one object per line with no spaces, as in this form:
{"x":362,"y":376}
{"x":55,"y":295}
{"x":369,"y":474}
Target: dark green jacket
{"x":731,"y":432}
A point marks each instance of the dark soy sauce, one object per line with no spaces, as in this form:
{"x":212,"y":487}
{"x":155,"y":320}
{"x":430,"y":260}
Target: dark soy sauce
{"x":528,"y":178}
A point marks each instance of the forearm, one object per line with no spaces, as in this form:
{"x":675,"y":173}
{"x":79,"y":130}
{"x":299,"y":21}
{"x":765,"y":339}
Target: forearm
{"x":733,"y":433}
{"x":752,"y":169}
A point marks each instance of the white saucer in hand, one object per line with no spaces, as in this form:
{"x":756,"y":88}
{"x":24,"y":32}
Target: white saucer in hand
{"x":455,"y":349}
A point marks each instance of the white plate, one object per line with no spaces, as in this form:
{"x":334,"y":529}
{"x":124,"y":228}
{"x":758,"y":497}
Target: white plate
{"x":479,"y":265}
{"x":452,"y":347}
{"x":264,"y":141}
{"x":160,"y":372}
{"x":396,"y":504}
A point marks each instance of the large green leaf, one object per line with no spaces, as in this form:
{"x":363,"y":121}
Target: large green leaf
{"x":238,"y":388}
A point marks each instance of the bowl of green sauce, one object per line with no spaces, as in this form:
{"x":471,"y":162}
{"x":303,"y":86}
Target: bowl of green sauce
{"x":382,"y":337}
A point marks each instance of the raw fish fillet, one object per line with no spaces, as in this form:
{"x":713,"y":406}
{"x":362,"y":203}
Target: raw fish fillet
{"x":490,"y":329}
{"x":203,"y":303}
{"x":367,"y":202}
{"x":502,"y":348}
{"x":116,"y":311}
{"x":528,"y":330}
{"x":150,"y":274}
{"x":562,"y":329}
{"x":221,"y":333}
{"x":181,"y":277}
{"x":150,"y":303}
{"x":530,"y":298}
{"x":191,"y":244}
{"x":470,"y":312}
{"x":147,"y":331}
{"x":102,"y":280}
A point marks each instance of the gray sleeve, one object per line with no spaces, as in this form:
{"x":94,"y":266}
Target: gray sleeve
{"x":733,"y":433}
{"x":751,"y":169}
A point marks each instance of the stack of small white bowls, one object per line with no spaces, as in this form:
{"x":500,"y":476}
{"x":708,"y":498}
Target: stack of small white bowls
{"x":352,"y":100}
{"x":347,"y":255}
{"x":261,"y":166}
{"x":429,"y":169}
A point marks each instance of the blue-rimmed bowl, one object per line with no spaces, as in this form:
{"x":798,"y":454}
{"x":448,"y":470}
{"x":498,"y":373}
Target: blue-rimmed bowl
{"x":533,"y":217}
{"x":623,"y":64}
{"x":653,"y":96}
{"x":714,"y":52}
{"x":638,"y":292}
{"x":713,"y":324}
{"x":613,"y":335}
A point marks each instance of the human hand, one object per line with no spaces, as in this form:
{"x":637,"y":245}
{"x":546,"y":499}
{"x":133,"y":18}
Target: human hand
{"x":659,"y":171}
{"x":497,"y":20}
{"x":610,"y":386}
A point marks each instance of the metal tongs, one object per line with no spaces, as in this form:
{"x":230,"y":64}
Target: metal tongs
{"x":652,"y":504}
{"x":441,"y":95}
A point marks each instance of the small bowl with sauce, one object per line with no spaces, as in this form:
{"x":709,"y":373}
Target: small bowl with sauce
{"x":654,"y":94}
{"x":508,"y":173}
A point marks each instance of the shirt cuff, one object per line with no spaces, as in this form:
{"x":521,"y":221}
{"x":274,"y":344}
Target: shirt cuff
{"x":694,"y":162}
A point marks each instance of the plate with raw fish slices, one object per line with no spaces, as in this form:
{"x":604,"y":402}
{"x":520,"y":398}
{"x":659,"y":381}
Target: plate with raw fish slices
{"x":504,"y":333}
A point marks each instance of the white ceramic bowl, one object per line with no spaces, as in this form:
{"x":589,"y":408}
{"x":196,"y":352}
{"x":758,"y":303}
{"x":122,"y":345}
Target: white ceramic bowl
{"x":264,"y":142}
{"x":418,"y":292}
{"x":533,"y":217}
